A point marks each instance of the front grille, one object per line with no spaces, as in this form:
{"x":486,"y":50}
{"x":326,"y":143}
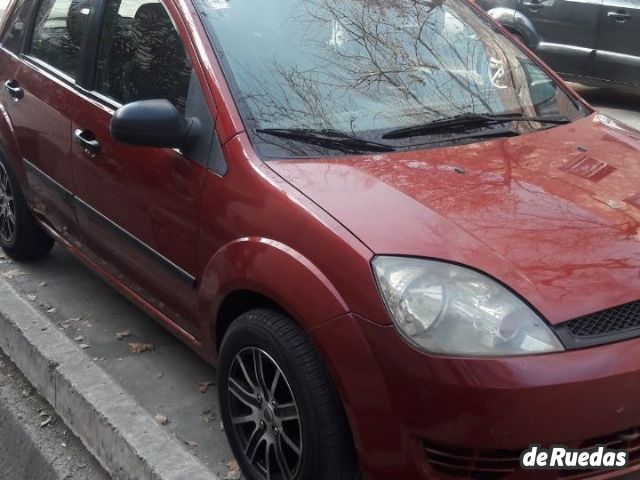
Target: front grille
{"x":505,"y":464}
{"x":606,"y":326}
{"x":468,"y":463}
{"x":615,"y":319}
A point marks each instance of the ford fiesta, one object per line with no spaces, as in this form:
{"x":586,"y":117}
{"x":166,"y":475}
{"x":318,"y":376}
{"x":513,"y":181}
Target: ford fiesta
{"x":410,"y":250}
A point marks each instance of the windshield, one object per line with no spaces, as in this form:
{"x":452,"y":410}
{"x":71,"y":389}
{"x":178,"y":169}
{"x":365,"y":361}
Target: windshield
{"x":366,"y":67}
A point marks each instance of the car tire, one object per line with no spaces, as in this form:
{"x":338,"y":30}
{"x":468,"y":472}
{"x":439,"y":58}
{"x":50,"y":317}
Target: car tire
{"x":294,"y":426}
{"x":20,"y":237}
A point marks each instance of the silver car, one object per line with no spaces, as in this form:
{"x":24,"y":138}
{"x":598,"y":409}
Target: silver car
{"x":589,"y":41}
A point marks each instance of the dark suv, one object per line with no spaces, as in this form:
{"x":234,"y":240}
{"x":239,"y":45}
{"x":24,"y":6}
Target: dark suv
{"x":592,"y":42}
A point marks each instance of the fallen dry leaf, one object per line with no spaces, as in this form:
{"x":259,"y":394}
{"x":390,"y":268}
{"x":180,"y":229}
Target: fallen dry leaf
{"x":141,"y":347}
{"x":204,"y":386}
{"x":125,"y":334}
{"x":234,"y":471}
{"x":161,"y":419}
{"x":208,"y":416}
{"x":11,"y":274}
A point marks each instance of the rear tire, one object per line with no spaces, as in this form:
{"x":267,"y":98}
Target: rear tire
{"x":279,"y":406}
{"x":20,"y":237}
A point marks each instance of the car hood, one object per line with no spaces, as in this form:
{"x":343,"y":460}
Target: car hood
{"x":554,"y":214}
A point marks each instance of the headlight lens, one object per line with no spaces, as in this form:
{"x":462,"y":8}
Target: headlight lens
{"x":447,"y":309}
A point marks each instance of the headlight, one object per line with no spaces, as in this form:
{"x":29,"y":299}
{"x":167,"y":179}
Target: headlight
{"x":447,"y":309}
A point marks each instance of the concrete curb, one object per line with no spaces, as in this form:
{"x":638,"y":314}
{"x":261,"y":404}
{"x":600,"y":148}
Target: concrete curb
{"x":122,"y":436}
{"x":29,"y":450}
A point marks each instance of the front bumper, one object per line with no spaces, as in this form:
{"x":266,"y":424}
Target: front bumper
{"x":400,"y":401}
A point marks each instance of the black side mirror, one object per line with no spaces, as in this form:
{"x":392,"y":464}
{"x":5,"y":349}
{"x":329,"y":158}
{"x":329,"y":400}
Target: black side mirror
{"x":153,"y":123}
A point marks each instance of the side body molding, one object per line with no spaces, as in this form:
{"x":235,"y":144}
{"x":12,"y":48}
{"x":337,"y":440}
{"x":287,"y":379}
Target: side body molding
{"x":274,"y":270}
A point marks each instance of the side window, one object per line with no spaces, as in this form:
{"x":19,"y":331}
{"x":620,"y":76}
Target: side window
{"x":141,"y":55}
{"x":58,"y":33}
{"x":17,"y":25}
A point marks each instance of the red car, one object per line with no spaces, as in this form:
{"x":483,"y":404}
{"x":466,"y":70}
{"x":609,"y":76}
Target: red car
{"x":409,"y":248}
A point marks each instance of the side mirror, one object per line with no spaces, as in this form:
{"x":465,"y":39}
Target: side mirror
{"x":153,"y":123}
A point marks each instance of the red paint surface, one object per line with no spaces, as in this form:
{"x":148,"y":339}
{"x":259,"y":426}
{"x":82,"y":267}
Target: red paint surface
{"x":555,"y":223}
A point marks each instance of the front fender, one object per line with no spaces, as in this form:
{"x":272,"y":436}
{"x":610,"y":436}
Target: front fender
{"x":274,"y":270}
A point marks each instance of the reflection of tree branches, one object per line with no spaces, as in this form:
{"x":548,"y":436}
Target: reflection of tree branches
{"x":368,"y":65}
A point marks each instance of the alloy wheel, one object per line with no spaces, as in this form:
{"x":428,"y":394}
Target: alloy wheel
{"x":264,"y":415}
{"x":7,"y":207}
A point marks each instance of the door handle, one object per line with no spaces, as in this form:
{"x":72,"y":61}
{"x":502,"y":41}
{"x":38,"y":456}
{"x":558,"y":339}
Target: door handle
{"x":533,"y":5}
{"x":619,"y":16}
{"x":88,"y":142}
{"x":13,"y":87}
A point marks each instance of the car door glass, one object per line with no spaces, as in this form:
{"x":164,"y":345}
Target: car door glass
{"x":16,"y":26}
{"x":58,"y":32}
{"x":141,"y":55}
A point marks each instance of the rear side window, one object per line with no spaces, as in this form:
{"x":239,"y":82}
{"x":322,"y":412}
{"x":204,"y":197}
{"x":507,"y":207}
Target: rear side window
{"x":141,"y":54}
{"x":58,"y":33}
{"x":16,"y":26}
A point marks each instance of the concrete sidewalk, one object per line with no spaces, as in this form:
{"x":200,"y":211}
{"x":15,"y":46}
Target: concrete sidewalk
{"x":46,"y":342}
{"x":170,"y":380}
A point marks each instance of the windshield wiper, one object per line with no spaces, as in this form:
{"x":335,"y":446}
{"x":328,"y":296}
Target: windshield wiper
{"x":332,"y":139}
{"x":466,"y":121}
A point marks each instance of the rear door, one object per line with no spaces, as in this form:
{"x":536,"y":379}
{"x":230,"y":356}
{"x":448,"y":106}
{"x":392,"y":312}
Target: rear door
{"x":618,"y":56}
{"x":36,"y":96}
{"x":567,"y":30}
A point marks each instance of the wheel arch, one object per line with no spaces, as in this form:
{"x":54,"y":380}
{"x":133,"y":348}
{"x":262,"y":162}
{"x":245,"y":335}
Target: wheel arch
{"x":257,"y":272}
{"x":516,"y":22}
{"x":237,"y":303}
{"x":9,"y":146}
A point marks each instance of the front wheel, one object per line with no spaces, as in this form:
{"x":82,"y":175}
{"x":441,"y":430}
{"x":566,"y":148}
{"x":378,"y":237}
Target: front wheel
{"x":280,"y":409}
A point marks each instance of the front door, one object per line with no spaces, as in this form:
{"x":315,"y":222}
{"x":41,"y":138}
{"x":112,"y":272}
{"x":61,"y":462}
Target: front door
{"x":138,"y":207}
{"x":567,"y":30}
{"x":618,"y":56}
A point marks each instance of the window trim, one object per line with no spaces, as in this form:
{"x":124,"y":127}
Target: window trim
{"x":42,"y":65}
